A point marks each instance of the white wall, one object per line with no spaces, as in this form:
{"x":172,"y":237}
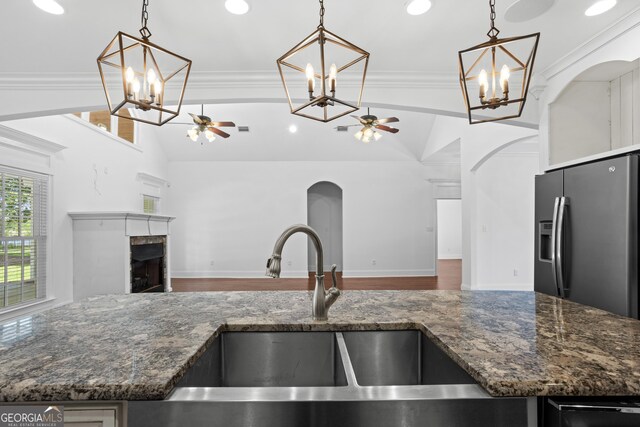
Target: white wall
{"x":505,"y":217}
{"x":94,"y":173}
{"x":449,"y":229}
{"x":229,"y":215}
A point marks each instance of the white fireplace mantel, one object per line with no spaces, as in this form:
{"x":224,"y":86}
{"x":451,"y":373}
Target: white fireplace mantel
{"x":101,"y":249}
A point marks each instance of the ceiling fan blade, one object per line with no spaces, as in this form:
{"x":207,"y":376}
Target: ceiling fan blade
{"x":388,"y":120}
{"x":358,"y":119}
{"x":387,"y":128}
{"x":347,"y":126}
{"x":219,"y":132}
{"x":196,"y":118}
{"x":223,"y":124}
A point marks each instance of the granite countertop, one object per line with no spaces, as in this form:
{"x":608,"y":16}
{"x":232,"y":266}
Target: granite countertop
{"x":136,"y":347}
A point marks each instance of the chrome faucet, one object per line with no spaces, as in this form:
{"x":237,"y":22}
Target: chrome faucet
{"x":322,"y":299}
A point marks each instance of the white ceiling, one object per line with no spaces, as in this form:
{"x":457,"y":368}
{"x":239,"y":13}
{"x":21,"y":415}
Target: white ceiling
{"x":215,"y":40}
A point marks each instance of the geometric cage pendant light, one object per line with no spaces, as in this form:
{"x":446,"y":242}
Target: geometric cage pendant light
{"x":323,"y":75}
{"x":142,"y":77}
{"x":495,"y":75}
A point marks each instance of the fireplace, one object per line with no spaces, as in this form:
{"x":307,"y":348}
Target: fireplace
{"x":148,"y":263}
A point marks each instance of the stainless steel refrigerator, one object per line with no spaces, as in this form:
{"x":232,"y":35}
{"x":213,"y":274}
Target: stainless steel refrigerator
{"x":586,"y":225}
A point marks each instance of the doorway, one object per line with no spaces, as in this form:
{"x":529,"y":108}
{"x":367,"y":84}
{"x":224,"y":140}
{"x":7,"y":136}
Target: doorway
{"x":449,"y":240}
{"x":324,"y":214}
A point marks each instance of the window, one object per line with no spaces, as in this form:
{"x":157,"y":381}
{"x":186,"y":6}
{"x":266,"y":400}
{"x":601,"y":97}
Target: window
{"x":23,"y":236}
{"x":118,"y":126}
{"x":150,"y":204}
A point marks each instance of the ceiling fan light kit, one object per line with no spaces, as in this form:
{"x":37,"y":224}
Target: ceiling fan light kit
{"x":203,"y":125}
{"x":312,"y":75}
{"x":370,"y":126}
{"x":495,"y":75}
{"x":139,"y":75}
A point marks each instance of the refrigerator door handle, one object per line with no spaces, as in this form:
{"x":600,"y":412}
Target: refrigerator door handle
{"x":554,"y":234}
{"x":562,"y":212}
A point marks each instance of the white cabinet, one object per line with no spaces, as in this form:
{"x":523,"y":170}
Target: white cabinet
{"x":96,"y":417}
{"x":596,"y":113}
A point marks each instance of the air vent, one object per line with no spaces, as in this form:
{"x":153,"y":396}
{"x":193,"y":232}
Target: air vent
{"x":243,"y":128}
{"x":342,"y":128}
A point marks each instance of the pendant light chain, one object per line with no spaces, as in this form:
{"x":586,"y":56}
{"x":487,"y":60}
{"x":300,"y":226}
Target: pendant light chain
{"x":144,"y":31}
{"x":321,"y":14}
{"x":493,"y":31}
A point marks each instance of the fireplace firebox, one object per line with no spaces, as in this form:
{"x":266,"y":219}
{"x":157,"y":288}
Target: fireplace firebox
{"x":148,"y":264}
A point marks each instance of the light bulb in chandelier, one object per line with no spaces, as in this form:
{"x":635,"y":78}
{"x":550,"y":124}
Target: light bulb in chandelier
{"x":333,"y":77}
{"x":504,"y":80}
{"x":311,"y":80}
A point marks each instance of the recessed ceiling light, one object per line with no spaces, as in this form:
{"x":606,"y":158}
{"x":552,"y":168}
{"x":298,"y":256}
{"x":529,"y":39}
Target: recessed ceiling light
{"x":418,"y":7}
{"x":49,"y":6}
{"x":293,"y":128}
{"x":600,"y":7}
{"x":237,"y":7}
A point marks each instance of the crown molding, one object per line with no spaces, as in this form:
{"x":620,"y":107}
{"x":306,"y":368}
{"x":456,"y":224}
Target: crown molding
{"x":88,"y":81}
{"x":604,"y":37}
{"x":444,"y":182}
{"x":151,"y":180}
{"x":451,"y":163}
{"x":26,"y":142}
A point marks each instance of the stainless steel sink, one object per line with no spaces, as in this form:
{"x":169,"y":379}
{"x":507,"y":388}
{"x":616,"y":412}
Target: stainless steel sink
{"x":269,"y":359}
{"x":377,"y":378}
{"x":382,"y":358}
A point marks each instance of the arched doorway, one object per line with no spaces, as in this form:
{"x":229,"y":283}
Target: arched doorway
{"x":324,"y":214}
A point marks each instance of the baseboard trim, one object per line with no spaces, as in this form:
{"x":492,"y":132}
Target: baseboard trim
{"x":387,"y":273}
{"x":235,"y":274}
{"x":503,"y":287}
{"x":297,"y":274}
{"x":450,"y":256}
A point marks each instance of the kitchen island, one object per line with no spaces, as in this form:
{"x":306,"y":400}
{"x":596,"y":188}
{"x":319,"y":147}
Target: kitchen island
{"x":137,"y":347}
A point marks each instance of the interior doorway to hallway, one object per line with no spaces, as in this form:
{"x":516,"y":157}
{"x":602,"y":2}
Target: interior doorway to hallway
{"x":324,"y":214}
{"x":449,"y":239}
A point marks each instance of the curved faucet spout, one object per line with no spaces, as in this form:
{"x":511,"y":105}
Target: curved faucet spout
{"x":273,"y":265}
{"x":322,"y":299}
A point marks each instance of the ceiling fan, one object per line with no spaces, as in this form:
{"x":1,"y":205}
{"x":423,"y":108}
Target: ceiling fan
{"x":203,"y":124}
{"x":370,"y":124}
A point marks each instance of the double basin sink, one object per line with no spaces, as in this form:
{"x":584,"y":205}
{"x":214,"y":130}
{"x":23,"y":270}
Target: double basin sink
{"x":359,"y":378}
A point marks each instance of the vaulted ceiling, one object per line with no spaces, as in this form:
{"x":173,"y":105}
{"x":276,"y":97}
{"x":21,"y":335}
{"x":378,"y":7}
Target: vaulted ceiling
{"x":63,"y":50}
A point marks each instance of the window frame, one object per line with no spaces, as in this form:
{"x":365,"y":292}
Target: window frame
{"x":40,"y":236}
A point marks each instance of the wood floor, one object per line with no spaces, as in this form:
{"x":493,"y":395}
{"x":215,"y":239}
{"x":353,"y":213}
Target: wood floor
{"x":449,"y":277}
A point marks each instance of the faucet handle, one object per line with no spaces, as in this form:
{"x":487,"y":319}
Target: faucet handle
{"x":334,"y":276}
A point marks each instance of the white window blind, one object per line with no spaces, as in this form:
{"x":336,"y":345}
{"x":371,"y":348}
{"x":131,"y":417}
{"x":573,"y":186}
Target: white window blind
{"x":23,"y":236}
{"x":150,"y":204}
